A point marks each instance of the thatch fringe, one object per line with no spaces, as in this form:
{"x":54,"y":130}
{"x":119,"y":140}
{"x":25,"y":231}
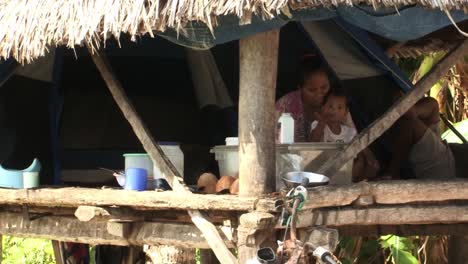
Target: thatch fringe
{"x":28,"y":27}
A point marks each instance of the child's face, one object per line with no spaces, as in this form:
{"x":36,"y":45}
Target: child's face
{"x":335,"y":109}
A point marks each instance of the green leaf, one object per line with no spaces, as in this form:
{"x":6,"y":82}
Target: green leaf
{"x":403,"y":257}
{"x":369,"y":249}
{"x":387,"y":241}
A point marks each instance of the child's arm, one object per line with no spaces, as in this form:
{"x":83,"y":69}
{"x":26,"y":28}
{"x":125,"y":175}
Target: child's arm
{"x":316,"y":134}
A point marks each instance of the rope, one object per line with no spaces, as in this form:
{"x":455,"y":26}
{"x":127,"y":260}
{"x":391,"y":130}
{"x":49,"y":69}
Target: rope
{"x":455,"y":24}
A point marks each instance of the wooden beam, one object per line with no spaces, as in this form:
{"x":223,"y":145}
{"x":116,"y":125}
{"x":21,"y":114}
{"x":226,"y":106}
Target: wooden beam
{"x":384,"y":215}
{"x":379,"y":126}
{"x":168,"y":170}
{"x":388,"y":192}
{"x":257,"y":117}
{"x":70,"y":229}
{"x":404,"y":230}
{"x":74,"y":197}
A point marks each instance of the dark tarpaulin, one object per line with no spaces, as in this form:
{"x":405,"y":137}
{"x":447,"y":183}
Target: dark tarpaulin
{"x":400,"y":25}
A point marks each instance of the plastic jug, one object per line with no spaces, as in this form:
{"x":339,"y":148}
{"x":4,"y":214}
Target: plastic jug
{"x":286,"y":129}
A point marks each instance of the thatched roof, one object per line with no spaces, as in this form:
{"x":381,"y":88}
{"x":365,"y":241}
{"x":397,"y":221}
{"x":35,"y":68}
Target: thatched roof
{"x":28,"y":27}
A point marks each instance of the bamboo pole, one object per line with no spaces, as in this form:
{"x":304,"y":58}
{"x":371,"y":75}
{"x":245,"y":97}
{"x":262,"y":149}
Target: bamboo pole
{"x":379,"y":126}
{"x":168,"y":171}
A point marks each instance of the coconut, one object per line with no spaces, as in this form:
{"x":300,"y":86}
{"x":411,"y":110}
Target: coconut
{"x":234,"y":187}
{"x":224,"y":183}
{"x":207,"y":183}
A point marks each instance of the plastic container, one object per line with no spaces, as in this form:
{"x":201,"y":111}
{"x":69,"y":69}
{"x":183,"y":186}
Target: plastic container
{"x":143,"y":160}
{"x":232,"y":141}
{"x":10,"y":178}
{"x":286,"y":129}
{"x":312,"y":156}
{"x":228,"y":159}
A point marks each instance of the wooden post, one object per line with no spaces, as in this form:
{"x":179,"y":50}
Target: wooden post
{"x":254,"y":229}
{"x":170,"y":255}
{"x":169,"y":172}
{"x":257,"y":118}
{"x":379,"y":126}
{"x":59,"y":252}
{"x":258,"y":56}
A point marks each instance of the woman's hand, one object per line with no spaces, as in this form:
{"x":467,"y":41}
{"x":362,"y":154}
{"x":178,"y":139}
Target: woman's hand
{"x":317,"y":116}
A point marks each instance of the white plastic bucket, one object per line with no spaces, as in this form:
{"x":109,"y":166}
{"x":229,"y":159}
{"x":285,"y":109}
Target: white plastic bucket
{"x":143,"y":160}
{"x":312,"y":156}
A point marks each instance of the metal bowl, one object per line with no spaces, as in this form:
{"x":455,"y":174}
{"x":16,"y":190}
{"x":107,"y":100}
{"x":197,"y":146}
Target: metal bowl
{"x":296,"y":178}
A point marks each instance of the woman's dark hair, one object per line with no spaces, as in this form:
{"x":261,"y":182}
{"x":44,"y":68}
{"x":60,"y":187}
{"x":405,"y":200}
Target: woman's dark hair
{"x":309,"y":64}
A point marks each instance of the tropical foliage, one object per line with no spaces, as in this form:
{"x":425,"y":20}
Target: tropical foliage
{"x":18,"y":250}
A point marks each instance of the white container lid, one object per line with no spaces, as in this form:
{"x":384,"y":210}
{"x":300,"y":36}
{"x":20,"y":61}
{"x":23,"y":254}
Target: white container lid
{"x":232,"y":141}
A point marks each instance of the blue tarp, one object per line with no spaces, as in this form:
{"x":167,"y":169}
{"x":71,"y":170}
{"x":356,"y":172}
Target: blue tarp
{"x":401,"y":25}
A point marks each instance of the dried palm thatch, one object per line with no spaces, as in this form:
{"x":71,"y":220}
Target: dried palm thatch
{"x":415,"y":51}
{"x":28,"y":27}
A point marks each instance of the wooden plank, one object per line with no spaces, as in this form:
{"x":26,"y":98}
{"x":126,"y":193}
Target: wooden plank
{"x":70,"y":229}
{"x":168,"y":170}
{"x":388,"y":192}
{"x":379,"y":126}
{"x":404,"y":230}
{"x":257,"y":119}
{"x":74,"y":197}
{"x":385,"y":215}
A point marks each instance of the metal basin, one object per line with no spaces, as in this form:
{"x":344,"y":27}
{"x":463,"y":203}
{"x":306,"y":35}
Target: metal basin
{"x":295,"y":178}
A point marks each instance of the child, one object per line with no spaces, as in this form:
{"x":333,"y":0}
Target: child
{"x":329,"y":126}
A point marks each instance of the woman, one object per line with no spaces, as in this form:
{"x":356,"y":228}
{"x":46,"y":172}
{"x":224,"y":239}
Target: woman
{"x":304,"y":105}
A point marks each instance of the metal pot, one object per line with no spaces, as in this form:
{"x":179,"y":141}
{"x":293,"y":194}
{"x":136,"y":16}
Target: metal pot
{"x":296,"y":178}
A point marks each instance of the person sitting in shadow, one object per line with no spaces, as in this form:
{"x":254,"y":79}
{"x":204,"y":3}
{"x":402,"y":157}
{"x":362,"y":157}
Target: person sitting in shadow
{"x":415,"y":139}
